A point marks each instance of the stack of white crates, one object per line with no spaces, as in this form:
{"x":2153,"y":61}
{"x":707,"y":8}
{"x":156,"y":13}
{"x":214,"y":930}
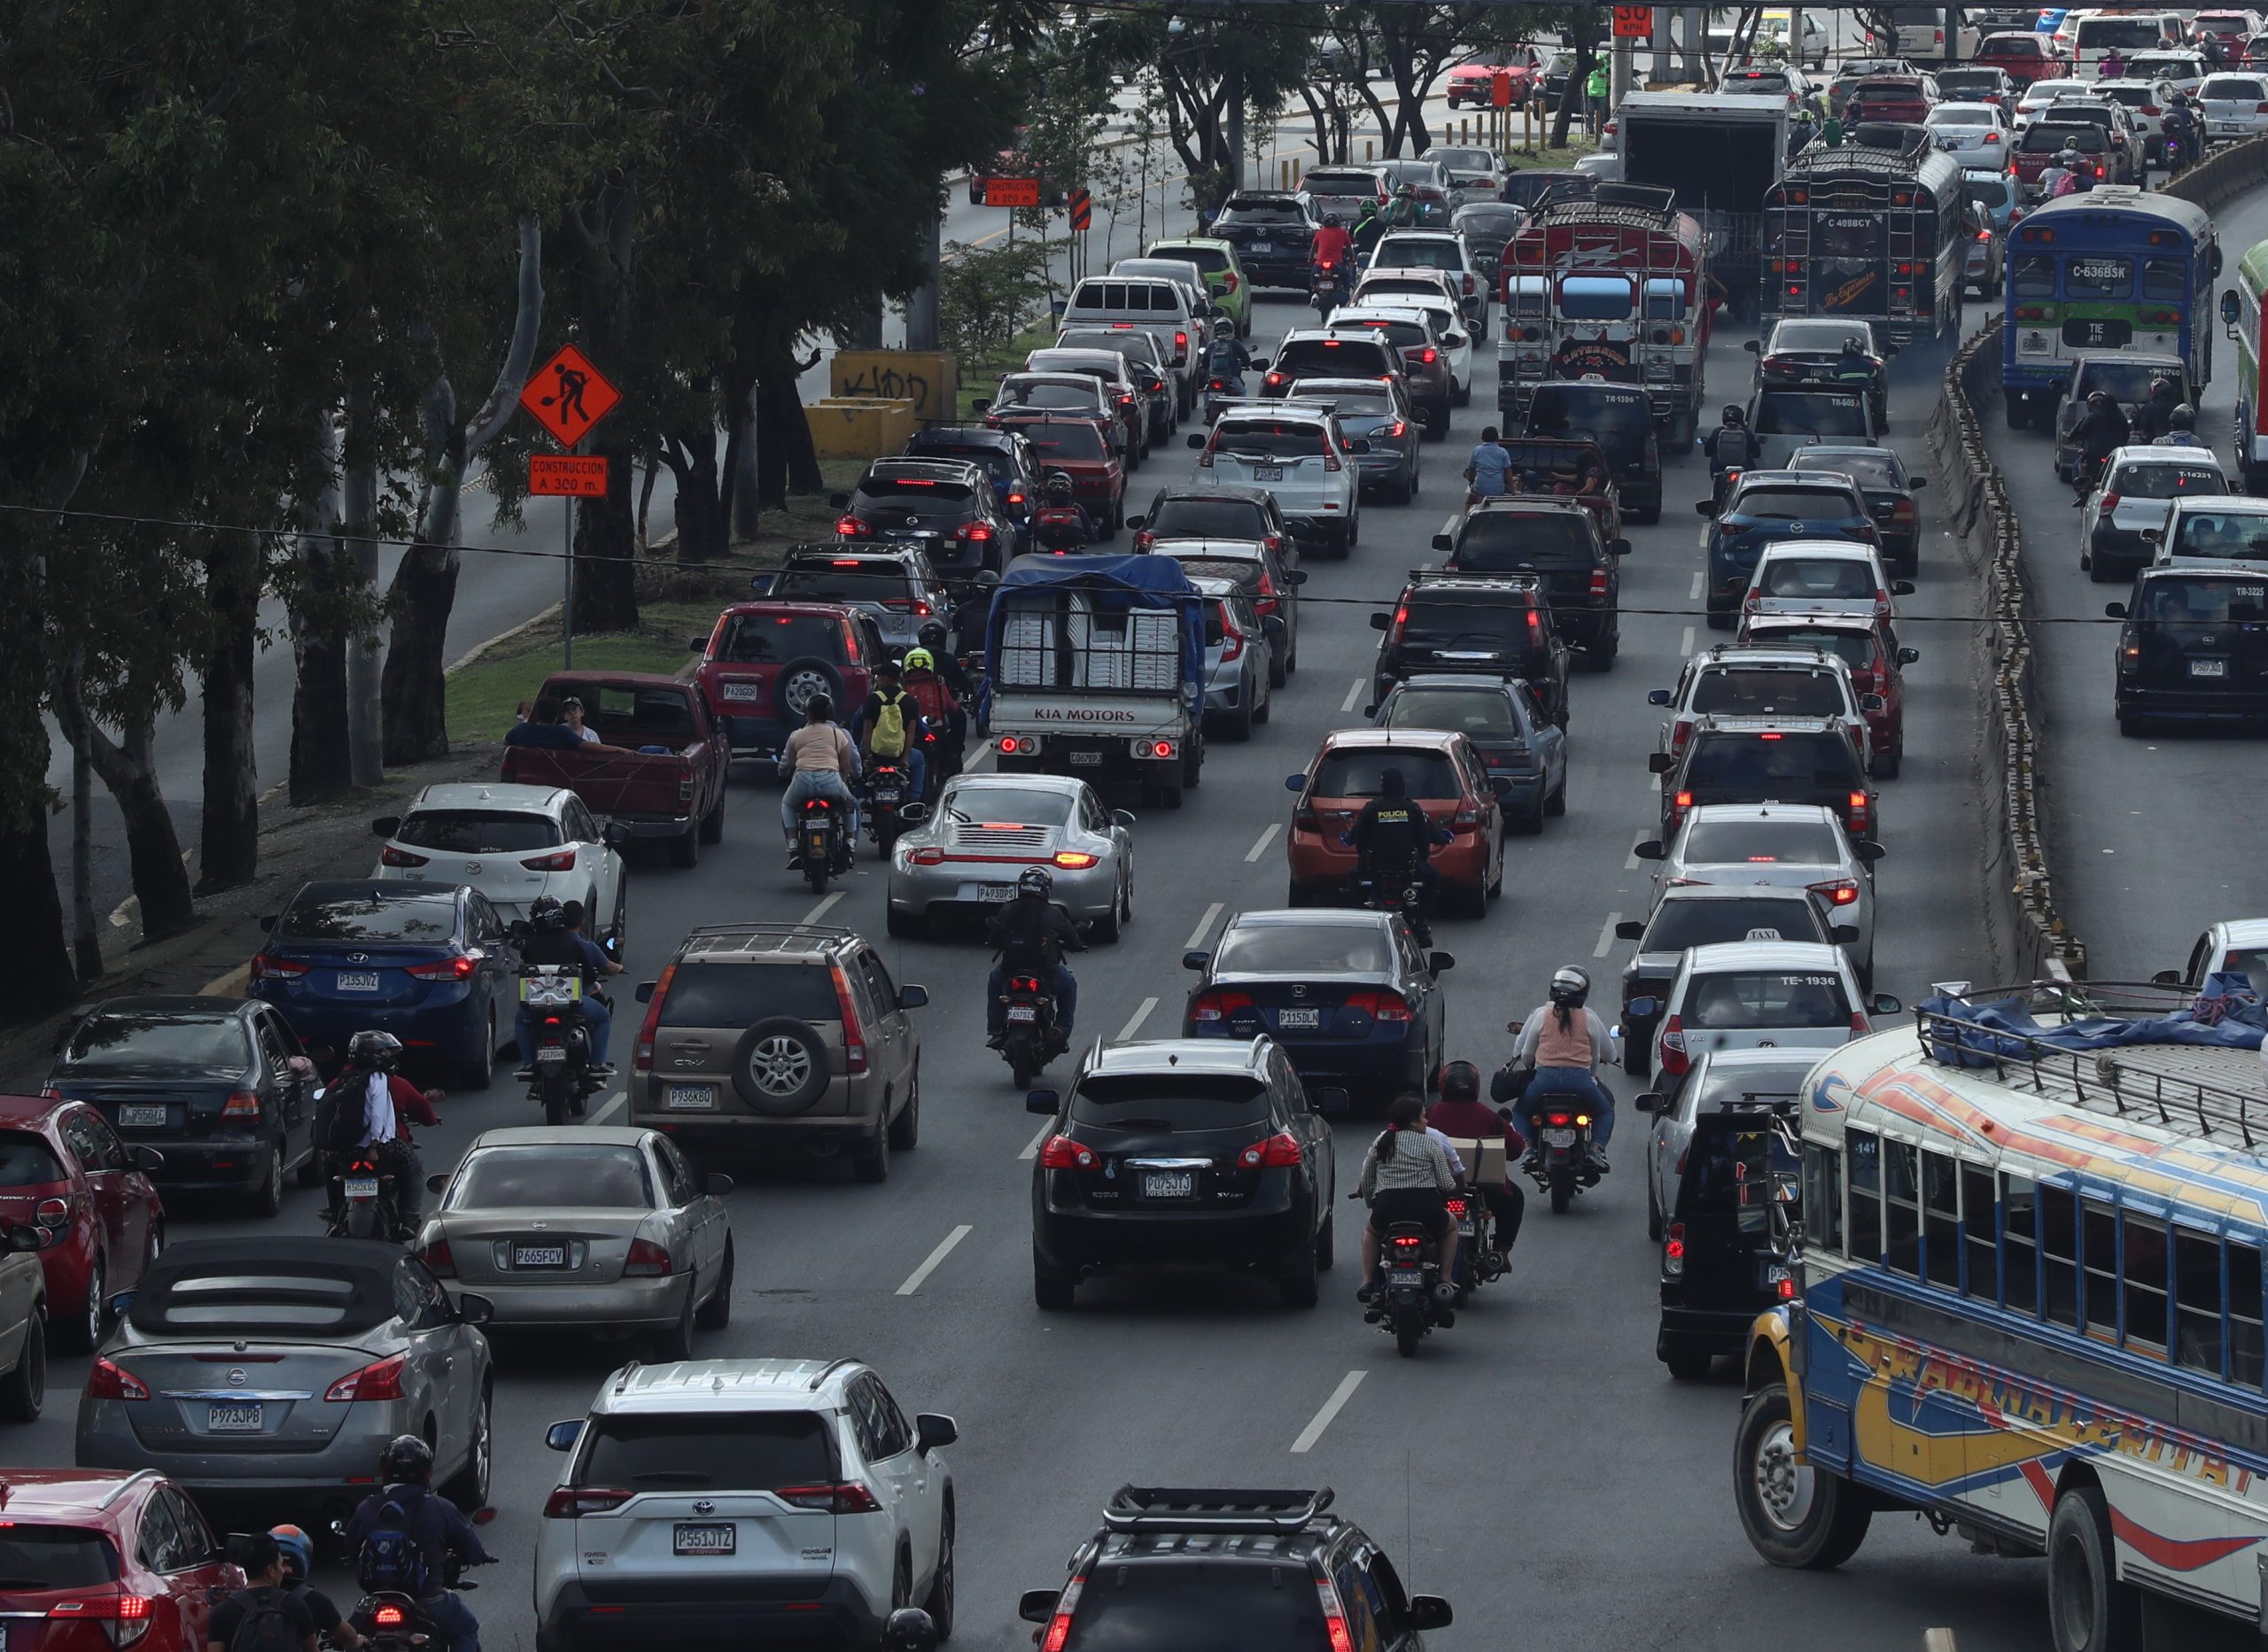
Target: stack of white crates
{"x":1112,"y":647}
{"x":1027,"y":646}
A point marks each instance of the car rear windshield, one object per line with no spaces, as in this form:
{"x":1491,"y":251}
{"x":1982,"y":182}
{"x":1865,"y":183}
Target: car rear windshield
{"x":1066,"y":441}
{"x":1810,"y":413}
{"x":2043,"y":139}
{"x":1189,"y":518}
{"x":1481,"y":711}
{"x":1332,"y":358}
{"x":897,"y":490}
{"x":1791,"y":504}
{"x":1752,"y":761}
{"x":866,"y":582}
{"x":1484,"y":622}
{"x":1250,"y":437}
{"x":1854,"y":648}
{"x":283,"y":1298}
{"x":1354,"y":183}
{"x":1464,"y":159}
{"x":2165,"y":481}
{"x":1568,"y":410}
{"x":2098,"y":34}
{"x":774,"y":638}
{"x":1245,"y":209}
{"x":1404,"y":335}
{"x":1968,"y":80}
{"x":1052,"y":397}
{"x":1734,"y":1001}
{"x":1878,"y":470}
{"x":2017,"y":47}
{"x":1499,"y":541}
{"x":25,"y":1160}
{"x":2226,"y":533}
{"x":410,"y":922}
{"x":1196,"y":1605}
{"x":2126,"y":381}
{"x":1776,"y":1082}
{"x":1008,"y":805}
{"x":1217,"y":568}
{"x":1526,"y":188}
{"x":1817,"y":577}
{"x":1304,"y":949}
{"x":1133,"y":346}
{"x":1752,"y":691}
{"x":535,"y":1178}
{"x":1986,"y":191}
{"x":1168,"y":1101}
{"x":478,"y":831}
{"x":1395,"y":254}
{"x":54,"y":1558}
{"x":2178,"y":602}
{"x":633,"y":716}
{"x":1826,"y":336}
{"x":1729,"y":1164}
{"x":1678,"y":924}
{"x":1358,"y":772}
{"x":2232,"y":88}
{"x":734,"y":1451}
{"x":1756,"y":82}
{"x":1763,"y":843}
{"x":167,"y":1039}
{"x":740,"y":995}
{"x":1209,"y":259}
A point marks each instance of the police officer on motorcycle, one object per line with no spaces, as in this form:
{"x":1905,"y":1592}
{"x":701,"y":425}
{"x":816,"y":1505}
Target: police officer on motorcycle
{"x":1029,"y":937}
{"x":435,"y":1527}
{"x":551,"y":941}
{"x":1393,"y":843}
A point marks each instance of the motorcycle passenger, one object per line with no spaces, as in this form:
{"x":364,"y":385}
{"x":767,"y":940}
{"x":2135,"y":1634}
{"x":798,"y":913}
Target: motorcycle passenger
{"x":1563,"y":1042}
{"x":1405,"y":1177}
{"x":2182,"y":130}
{"x":1228,"y":359}
{"x":944,"y":725}
{"x":1029,"y":937}
{"x":387,"y":1104}
{"x":819,"y":760}
{"x":1393,"y":839}
{"x":1401,"y":210}
{"x":932,"y":637}
{"x":552,"y":940}
{"x":298,"y":1558}
{"x":2078,"y":176}
{"x":1730,"y":446}
{"x":890,"y":726}
{"x":1060,"y":510}
{"x":2155,"y":417}
{"x":2181,"y":429}
{"x":1460,"y":1113}
{"x":263,"y":1616}
{"x":2103,"y":430}
{"x":406,"y":1504}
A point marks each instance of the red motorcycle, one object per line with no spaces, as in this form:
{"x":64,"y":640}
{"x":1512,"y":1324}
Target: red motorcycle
{"x":1059,"y":529}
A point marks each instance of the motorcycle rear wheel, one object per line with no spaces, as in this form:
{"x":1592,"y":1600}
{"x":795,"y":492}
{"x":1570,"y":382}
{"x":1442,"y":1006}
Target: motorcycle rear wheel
{"x":558,"y":1087}
{"x":362,"y":1219}
{"x":1406,"y":1337}
{"x":1563,"y":1189}
{"x":815,"y":874}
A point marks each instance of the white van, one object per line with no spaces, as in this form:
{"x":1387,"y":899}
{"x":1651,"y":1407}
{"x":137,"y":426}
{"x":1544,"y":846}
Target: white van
{"x":2095,"y":32}
{"x":1159,"y":307}
{"x":1918,"y":35}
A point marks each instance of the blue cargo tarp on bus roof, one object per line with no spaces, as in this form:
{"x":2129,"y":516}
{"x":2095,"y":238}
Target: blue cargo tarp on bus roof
{"x":2227,"y":1014}
{"x":1113,"y":580}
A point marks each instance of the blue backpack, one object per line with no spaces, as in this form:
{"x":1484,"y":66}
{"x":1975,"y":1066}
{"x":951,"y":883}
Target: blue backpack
{"x":391,"y":1559}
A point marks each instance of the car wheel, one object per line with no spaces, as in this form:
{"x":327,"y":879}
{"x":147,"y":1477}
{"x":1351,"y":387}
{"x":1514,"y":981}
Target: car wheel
{"x":1794,"y":1514}
{"x":85,"y":1332}
{"x":1886,"y":763}
{"x":1109,"y":926}
{"x":469,"y":1491}
{"x":1688,"y":1365}
{"x":676,"y":1343}
{"x":712,"y":823}
{"x":24,"y":1389}
{"x":717,"y":1312}
{"x":938,"y":1602}
{"x":869,"y":1159}
{"x":2088,"y":1609}
{"x":267,"y":1194}
{"x":1323,"y":1246}
{"x":475,"y":1072}
{"x":906,"y":1130}
{"x":780,"y":1066}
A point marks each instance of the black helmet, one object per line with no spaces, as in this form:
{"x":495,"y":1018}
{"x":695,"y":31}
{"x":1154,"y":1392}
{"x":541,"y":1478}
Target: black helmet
{"x":1571,"y":985}
{"x":2161,"y":386}
{"x":374,"y":1053}
{"x":1460,"y":1082}
{"x":1035,"y":881}
{"x":1851,"y":345}
{"x":1331,"y":220}
{"x":1390,"y":784}
{"x":2182,"y":418}
{"x":406,"y":1458}
{"x":1058,"y":487}
{"x":932,"y":635}
{"x":1733,"y":414}
{"x":545,"y":915}
{"x":2100,"y":399}
{"x":909,"y":1629}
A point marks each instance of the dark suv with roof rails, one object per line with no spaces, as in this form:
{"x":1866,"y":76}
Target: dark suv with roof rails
{"x":1497,"y":624}
{"x":1006,"y":456}
{"x":1272,"y":234}
{"x":1768,"y":760}
{"x":1187,"y":1566}
{"x":2195,"y":645}
{"x":945,"y":507}
{"x":1558,"y":541}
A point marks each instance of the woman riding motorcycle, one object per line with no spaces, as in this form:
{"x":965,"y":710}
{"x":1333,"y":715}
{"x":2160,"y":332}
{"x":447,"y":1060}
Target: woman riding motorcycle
{"x":1563,"y":1043}
{"x":1406,"y":1177}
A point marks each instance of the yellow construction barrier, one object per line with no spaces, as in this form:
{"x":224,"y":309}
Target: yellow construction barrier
{"x":860,"y":427}
{"x":930,"y":379}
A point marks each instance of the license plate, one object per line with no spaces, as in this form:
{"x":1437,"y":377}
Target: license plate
{"x":1168,"y":1184}
{"x":142,"y":1118}
{"x":1558,"y":1139}
{"x":689,"y":1099}
{"x":549,"y":1054}
{"x":1086,"y":759}
{"x":743,"y":691}
{"x":1405,"y":1278}
{"x":888,"y":795}
{"x":996,"y":891}
{"x":241,"y":1417}
{"x":1465,"y":1227}
{"x":1298,"y":1018}
{"x":358,"y":980}
{"x":1261,"y":246}
{"x":361,"y":1187}
{"x":1024,"y":1011}
{"x":1268,"y":473}
{"x":2208,"y":668}
{"x":539,"y":1256}
{"x":707,"y":1539}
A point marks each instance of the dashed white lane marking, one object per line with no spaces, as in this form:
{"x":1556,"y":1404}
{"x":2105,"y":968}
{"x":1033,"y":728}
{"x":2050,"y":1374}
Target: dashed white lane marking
{"x":1694,"y":595}
{"x":1630,"y":862}
{"x":1352,"y":694}
{"x":1267,"y":836}
{"x":1322,"y":1419}
{"x":613,"y":1106}
{"x":824,"y":907}
{"x":1031,"y":1147}
{"x":1134,"y":1021}
{"x":1197,"y":936}
{"x":1606,"y":935}
{"x":944,"y":1249}
{"x":1685,"y":642}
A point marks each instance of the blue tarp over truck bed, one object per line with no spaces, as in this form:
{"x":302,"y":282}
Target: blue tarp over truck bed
{"x":1107,"y":583}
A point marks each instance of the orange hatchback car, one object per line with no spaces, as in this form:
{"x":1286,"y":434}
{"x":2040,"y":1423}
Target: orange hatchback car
{"x":1440,"y":770}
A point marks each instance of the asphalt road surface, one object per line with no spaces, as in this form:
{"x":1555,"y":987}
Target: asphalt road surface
{"x":1534,"y":1463}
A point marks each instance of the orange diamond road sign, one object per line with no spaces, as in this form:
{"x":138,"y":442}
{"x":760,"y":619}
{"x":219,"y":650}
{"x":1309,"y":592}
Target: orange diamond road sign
{"x":1012,"y":191}
{"x":1633,"y":22}
{"x":567,"y":396}
{"x":1082,"y":210}
{"x":570,"y":475}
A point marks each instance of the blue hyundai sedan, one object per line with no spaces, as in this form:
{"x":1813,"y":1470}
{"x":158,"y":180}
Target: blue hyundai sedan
{"x":1769,"y":505}
{"x":430,"y":963}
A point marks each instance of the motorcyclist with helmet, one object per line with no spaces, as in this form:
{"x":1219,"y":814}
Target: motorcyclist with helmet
{"x":1334,"y":250}
{"x":435,"y":1525}
{"x":1563,"y":1041}
{"x":1401,"y":210}
{"x":2154,"y":418}
{"x":2183,"y":133}
{"x":2180,"y":430}
{"x":299,"y":1553}
{"x":1730,"y":446}
{"x":370,"y":1092}
{"x":944,"y":725}
{"x":1461,"y":1113}
{"x":1854,"y":368}
{"x":551,"y":941}
{"x":947,"y":666}
{"x":1394,"y":841}
{"x":1029,"y":937}
{"x":2103,"y":430}
{"x":890,"y":727}
{"x":1060,"y":523}
{"x":1370,"y":224}
{"x":264,"y":1596}
{"x":1228,"y":359}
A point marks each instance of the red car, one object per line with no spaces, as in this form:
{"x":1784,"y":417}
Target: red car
{"x":1081,"y":450}
{"x":763,"y":661}
{"x":1445,"y":777}
{"x":96,"y":1560}
{"x":64,"y":1171}
{"x":1902,"y":99}
{"x":2025,"y":57}
{"x":1877,"y":667}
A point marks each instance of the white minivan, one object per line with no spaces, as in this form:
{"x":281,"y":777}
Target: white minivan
{"x":2095,"y":32}
{"x":1919,"y":35}
{"x":1158,"y":304}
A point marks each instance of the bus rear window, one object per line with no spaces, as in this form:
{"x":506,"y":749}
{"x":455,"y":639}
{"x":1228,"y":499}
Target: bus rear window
{"x":2165,"y":279}
{"x":2034,"y":276}
{"x":1594,"y":298}
{"x":2093,"y":275}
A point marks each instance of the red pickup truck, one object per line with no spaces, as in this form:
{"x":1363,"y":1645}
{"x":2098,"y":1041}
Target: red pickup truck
{"x":669,"y":779}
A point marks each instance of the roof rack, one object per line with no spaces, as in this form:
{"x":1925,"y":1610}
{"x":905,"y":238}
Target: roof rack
{"x":829,"y":1370}
{"x":622,"y":1377}
{"x":2102,"y":1081}
{"x":833,"y":931}
{"x":1197,"y":1508}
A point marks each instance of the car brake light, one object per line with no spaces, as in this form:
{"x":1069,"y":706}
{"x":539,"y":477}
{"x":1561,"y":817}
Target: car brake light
{"x":567,"y":1501}
{"x":1838,"y":891}
{"x":1073,"y":860}
{"x":268,"y":967}
{"x":392,"y":857}
{"x":1675,"y":1059}
{"x":1334,"y":1614}
{"x":841,"y":1497}
{"x":107,"y":1381}
{"x":2111,"y":501}
{"x":461,"y":967}
{"x":1059,"y":1627}
{"x":1394,"y":632}
{"x":1217,"y":1005}
{"x":437,"y":1261}
{"x":854,"y":1036}
{"x":974,"y":532}
{"x":1180,"y":344}
{"x":1469,"y":288}
{"x":1400,"y":427}
{"x":1858,"y":813}
{"x":1674,"y":1250}
{"x":563,"y":861}
{"x":851,"y":527}
{"x":643,"y":1058}
{"x":379,"y":1381}
{"x":1859,"y":1026}
{"x":128,"y":1617}
{"x":1429,"y":355}
{"x":1598,"y":582}
{"x":646,"y":1260}
{"x":241,"y":1104}
{"x":1382,"y":1005}
{"x":1682,"y":801}
{"x":1331,"y":462}
{"x":1278,"y":1151}
{"x":1062,"y":1154}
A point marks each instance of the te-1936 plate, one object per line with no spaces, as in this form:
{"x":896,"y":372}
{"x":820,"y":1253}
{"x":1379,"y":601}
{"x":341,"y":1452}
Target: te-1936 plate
{"x":1168,"y":1184}
{"x":236,"y":1416}
{"x":719,"y":1538}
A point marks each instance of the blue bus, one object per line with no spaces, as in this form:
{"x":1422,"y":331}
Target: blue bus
{"x":2111,"y":271}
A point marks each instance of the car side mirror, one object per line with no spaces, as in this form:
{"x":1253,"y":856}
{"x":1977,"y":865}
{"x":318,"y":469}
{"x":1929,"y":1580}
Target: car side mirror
{"x":385,"y":826}
{"x":1439,"y":961}
{"x":1330,"y":1099}
{"x":1901,"y":587}
{"x":1883,"y":1004}
{"x":697,"y":644}
{"x":932,"y":1429}
{"x":518,"y":929}
{"x":149,"y":1160}
{"x":2167,"y":978}
{"x":1618,"y":548}
{"x":1869,"y":851}
{"x":1908,"y":657}
{"x":2229,"y":309}
{"x":1648,"y":1101}
{"x":1295,"y":782}
{"x":267,"y":920}
{"x":1443,"y":542}
{"x":1657,"y":696}
{"x":438,"y":1183}
{"x":645,"y":994}
{"x":1123,"y":816}
{"x":1843,"y":935}
{"x":1642,"y":1009}
{"x":1915,"y":484}
{"x":1660,"y":762}
{"x":1197,"y":441}
{"x":913,"y":995}
{"x":1259,"y":364}
{"x":22,"y":1239}
{"x":762,"y":584}
{"x":913,"y":814}
{"x":838,"y":502}
{"x":1704,"y":508}
{"x":1379,"y":622}
{"x":1652,"y":848}
{"x":1037,"y":1606}
{"x":1501,"y":784}
{"x":1295,"y":577}
{"x":1136,"y":521}
{"x":2114,"y":610}
{"x":1630,"y":929}
{"x":1429,"y":1612}
{"x":717,"y":1184}
{"x":617,"y":832}
{"x":1044,"y":1102}
{"x":563,"y":1436}
{"x":475,"y":1310}
{"x":1196,"y":959}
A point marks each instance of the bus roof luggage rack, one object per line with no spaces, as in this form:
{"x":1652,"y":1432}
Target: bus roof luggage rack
{"x":1660,"y":201}
{"x":1204,"y":1508}
{"x":2192,"y":1088}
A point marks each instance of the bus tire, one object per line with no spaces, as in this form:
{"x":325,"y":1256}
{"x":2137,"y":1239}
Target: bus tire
{"x":2088,"y":1609}
{"x":2019,"y":412}
{"x":1794,"y":1516}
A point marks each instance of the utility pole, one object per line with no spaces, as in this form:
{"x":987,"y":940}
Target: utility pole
{"x":1662,"y":15}
{"x":921,"y":303}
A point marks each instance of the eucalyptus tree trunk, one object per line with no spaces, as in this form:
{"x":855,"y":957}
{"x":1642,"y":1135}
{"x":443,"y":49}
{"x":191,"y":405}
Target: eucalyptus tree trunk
{"x":128,"y":766}
{"x":321,"y":770}
{"x":229,"y":852}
